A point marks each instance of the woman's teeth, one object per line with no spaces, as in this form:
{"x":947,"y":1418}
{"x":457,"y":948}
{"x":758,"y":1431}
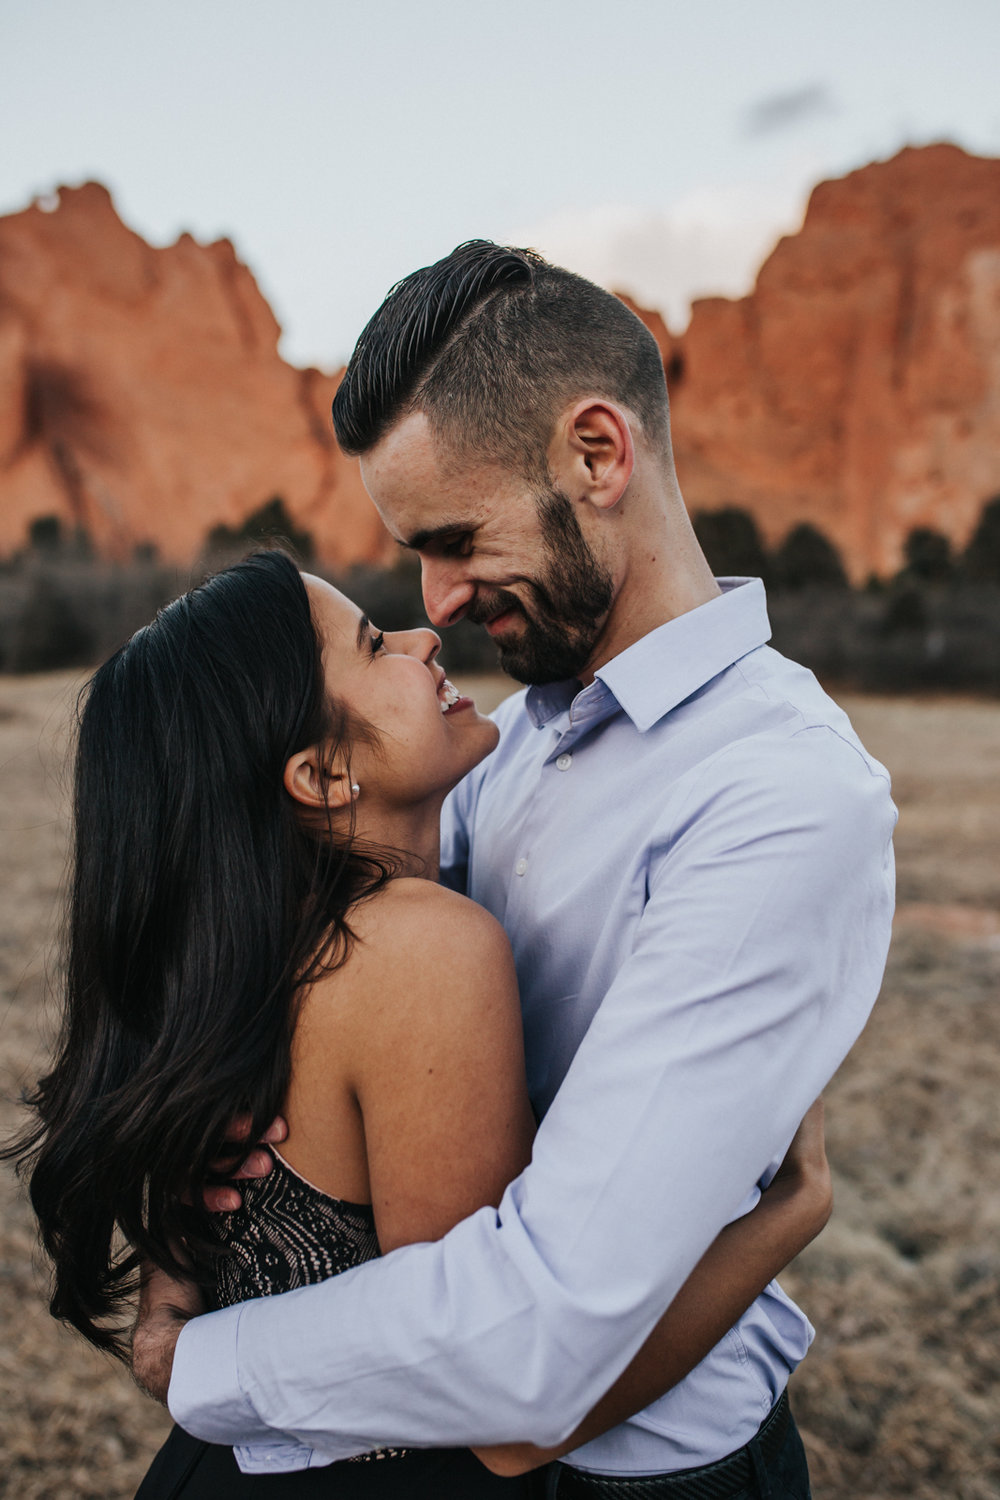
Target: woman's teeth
{"x":448,"y":695}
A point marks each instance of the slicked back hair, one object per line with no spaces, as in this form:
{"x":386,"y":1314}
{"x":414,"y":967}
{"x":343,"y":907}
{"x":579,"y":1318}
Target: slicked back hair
{"x":492,"y":343}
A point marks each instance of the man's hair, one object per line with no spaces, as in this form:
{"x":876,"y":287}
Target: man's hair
{"x":492,"y":343}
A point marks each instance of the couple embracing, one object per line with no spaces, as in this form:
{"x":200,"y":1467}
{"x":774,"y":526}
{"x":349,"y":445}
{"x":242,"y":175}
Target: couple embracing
{"x":534,"y":1169}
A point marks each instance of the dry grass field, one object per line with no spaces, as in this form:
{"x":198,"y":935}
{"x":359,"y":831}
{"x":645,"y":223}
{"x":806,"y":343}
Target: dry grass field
{"x":900,"y":1396}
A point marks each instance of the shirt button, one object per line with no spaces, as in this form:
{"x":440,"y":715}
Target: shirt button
{"x":564,"y":762}
{"x":520,"y":867}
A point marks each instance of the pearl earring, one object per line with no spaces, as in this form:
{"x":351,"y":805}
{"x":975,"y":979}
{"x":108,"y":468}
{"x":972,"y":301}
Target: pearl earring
{"x":355,"y":789}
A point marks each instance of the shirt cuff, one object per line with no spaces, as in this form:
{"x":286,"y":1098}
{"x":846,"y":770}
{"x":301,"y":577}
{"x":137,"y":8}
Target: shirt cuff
{"x":206,"y":1397}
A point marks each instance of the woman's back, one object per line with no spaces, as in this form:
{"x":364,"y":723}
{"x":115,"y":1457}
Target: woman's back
{"x":391,"y":1054}
{"x":407,"y":1087}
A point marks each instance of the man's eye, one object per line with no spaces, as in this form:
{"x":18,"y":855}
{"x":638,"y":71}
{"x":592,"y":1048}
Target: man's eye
{"x":375,"y":642}
{"x":458,"y":546}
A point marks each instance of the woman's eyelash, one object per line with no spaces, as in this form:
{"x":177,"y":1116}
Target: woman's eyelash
{"x":375,"y":643}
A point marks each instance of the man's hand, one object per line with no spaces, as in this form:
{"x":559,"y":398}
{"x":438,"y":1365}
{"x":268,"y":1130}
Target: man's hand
{"x":223,"y":1198}
{"x":165,"y":1306}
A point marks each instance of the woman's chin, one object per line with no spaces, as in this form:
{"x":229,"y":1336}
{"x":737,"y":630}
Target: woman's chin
{"x":482,"y":739}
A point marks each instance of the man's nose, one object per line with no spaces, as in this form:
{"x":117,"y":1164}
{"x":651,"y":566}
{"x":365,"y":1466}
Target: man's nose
{"x":447,"y":592}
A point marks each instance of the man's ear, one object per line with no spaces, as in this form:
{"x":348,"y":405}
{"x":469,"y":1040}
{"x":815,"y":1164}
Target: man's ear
{"x":314,"y":782}
{"x":592,"y":455}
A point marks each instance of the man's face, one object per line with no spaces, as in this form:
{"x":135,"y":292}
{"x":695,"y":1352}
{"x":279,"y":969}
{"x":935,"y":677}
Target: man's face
{"x":494,"y":551}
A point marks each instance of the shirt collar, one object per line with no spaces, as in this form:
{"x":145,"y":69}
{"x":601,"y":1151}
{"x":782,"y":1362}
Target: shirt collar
{"x":665,"y":667}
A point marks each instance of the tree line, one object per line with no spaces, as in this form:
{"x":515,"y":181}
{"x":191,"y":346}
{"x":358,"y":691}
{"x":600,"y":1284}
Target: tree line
{"x":935,"y":625}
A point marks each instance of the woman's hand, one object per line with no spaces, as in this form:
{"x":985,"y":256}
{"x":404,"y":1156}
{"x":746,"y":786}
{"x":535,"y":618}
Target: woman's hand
{"x":165,"y":1305}
{"x":222,"y":1197}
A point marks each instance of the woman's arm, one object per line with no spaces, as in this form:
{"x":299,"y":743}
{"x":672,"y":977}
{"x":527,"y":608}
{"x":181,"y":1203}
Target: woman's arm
{"x":730,"y":1275}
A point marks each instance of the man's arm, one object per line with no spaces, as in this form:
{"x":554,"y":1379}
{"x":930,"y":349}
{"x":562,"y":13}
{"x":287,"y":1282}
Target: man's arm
{"x":734,"y":1270}
{"x":757,"y":960}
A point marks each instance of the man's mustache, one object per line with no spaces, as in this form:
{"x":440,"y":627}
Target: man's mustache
{"x":487,"y":606}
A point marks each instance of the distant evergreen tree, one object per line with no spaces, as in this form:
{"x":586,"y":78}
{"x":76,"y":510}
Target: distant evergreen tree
{"x":48,"y":537}
{"x":45,"y":534}
{"x":981,"y":560}
{"x":808,"y":559}
{"x":270,"y":522}
{"x":928,"y":556}
{"x":730,"y":540}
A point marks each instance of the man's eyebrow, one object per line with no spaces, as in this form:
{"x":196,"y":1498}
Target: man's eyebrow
{"x":421,"y":539}
{"x":364,"y":624}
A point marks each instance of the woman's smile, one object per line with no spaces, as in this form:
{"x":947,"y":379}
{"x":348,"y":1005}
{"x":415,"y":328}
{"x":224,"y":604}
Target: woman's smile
{"x":393,"y":682}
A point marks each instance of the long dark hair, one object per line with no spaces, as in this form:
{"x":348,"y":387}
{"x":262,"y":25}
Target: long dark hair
{"x":200,"y":904}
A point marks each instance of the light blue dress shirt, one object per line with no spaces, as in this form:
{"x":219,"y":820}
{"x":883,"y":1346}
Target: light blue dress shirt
{"x":692,"y":858}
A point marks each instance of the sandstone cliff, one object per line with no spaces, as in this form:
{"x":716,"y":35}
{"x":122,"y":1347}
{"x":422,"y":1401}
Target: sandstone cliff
{"x":142,"y":395}
{"x":858,"y":386}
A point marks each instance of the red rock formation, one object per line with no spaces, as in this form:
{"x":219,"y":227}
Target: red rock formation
{"x":858,"y":386}
{"x":142,"y":394}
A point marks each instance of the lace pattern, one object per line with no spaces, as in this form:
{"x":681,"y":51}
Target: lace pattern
{"x":288,"y":1234}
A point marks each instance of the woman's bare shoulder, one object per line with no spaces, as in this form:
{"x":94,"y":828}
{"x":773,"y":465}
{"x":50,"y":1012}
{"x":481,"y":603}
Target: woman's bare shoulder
{"x":419,"y":950}
{"x":410,"y":915}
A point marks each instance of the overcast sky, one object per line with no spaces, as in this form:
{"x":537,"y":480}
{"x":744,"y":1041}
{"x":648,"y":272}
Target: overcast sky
{"x":657,"y":146}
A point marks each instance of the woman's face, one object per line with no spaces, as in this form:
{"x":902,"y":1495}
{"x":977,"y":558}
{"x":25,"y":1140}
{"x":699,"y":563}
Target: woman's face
{"x":428,"y":736}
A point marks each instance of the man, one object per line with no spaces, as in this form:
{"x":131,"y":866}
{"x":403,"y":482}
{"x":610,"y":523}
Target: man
{"x":690,"y":851}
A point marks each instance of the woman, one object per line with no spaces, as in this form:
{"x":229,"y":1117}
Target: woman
{"x":255,"y":927}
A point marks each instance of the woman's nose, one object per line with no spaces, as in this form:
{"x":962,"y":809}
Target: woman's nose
{"x":424,"y":644}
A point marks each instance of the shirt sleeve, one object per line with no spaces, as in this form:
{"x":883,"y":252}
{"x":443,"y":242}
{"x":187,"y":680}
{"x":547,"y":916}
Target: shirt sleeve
{"x":757,"y":960}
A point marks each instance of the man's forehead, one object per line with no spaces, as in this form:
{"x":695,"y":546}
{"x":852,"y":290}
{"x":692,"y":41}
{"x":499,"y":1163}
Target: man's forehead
{"x":404,"y":476}
{"x":425,"y":493}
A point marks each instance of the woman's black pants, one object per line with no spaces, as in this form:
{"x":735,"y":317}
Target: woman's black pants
{"x":187,"y":1469}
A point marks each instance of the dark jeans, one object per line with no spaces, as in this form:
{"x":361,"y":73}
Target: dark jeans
{"x":187,"y":1469}
{"x":760,"y":1471}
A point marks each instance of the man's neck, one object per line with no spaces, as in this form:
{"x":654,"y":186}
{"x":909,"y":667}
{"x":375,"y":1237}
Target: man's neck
{"x":651,"y":596}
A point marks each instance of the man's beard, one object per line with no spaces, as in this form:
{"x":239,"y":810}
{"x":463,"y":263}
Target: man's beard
{"x":569,"y":602}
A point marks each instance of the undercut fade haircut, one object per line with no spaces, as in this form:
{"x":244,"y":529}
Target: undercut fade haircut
{"x":492,"y":343}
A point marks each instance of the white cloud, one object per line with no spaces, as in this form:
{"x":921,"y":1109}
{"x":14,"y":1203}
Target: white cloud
{"x":710,"y":243}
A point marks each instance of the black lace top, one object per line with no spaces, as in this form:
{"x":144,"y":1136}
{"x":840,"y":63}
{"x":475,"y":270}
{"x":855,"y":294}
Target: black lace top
{"x":287,"y":1234}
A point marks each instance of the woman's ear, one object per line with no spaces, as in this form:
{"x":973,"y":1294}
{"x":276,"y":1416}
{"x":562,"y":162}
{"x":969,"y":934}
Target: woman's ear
{"x":312,"y":781}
